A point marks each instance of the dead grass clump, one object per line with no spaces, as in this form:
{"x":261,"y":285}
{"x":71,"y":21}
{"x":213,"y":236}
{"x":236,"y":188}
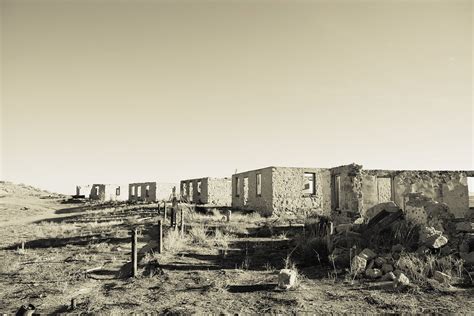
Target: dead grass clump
{"x":221,"y":239}
{"x":199,"y":235}
{"x":422,"y":267}
{"x":174,"y":242}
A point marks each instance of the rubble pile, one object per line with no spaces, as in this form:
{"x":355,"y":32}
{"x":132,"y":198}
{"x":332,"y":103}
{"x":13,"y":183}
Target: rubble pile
{"x":372,"y":247}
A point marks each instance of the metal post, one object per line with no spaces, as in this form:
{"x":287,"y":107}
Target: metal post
{"x":134,"y":253}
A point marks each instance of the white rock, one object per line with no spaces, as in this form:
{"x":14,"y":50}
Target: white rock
{"x":441,"y":277}
{"x":358,"y":264}
{"x":373,"y":273}
{"x":401,"y":280}
{"x":286,"y":278}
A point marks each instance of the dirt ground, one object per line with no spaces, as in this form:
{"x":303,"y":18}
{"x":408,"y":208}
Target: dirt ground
{"x":223,"y":268}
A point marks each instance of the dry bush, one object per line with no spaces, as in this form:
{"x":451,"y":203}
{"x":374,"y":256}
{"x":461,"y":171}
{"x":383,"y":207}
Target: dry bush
{"x":174,"y":242}
{"x":199,"y":235}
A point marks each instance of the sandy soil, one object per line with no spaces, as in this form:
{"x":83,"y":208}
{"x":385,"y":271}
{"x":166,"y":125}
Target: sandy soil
{"x":236,"y":274}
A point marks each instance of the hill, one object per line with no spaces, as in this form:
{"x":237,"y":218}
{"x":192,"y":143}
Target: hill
{"x":20,"y":200}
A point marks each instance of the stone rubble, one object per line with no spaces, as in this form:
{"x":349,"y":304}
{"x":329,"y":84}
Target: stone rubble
{"x":287,"y":279}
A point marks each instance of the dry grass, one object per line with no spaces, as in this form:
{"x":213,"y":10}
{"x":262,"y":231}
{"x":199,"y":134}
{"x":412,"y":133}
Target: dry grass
{"x":420,"y":268}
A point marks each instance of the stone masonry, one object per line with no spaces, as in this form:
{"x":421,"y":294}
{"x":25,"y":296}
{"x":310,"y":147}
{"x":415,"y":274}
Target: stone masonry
{"x":214,"y":191}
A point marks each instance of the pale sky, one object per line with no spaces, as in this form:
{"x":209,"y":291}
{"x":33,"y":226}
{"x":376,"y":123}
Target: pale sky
{"x":127,"y":91}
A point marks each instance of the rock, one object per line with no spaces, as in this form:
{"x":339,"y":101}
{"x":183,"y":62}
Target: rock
{"x":358,"y":264}
{"x":427,"y":232}
{"x":359,"y":221}
{"x":387,"y":206}
{"x":370,"y":265}
{"x":435,"y":242}
{"x":386,"y":268}
{"x":367,"y":254}
{"x":422,"y":250}
{"x":465,"y":227}
{"x":287,"y":278}
{"x":441,"y":277}
{"x":401,"y":281}
{"x":468,"y":257}
{"x":389,"y":277}
{"x":379,"y":262}
{"x":373,"y":273}
{"x":397,"y":248}
{"x":445,"y":251}
{"x":342,"y":228}
{"x":464,"y":246}
{"x":341,"y":257}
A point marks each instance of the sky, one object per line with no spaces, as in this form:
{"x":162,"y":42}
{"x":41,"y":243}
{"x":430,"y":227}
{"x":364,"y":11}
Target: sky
{"x":125,"y":91}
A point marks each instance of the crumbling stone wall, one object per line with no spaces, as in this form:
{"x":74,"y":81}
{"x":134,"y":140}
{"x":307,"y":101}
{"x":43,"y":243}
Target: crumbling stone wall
{"x":282,"y":191}
{"x":215,"y":191}
{"x":350,"y":190}
{"x":108,"y":192}
{"x":156,"y":191}
{"x":85,"y":190}
{"x":449,"y":187}
{"x":248,"y":198}
{"x":288,"y":197}
{"x":219,"y":191}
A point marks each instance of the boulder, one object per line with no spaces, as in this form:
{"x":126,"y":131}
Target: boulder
{"x":386,"y":268}
{"x":432,"y":238}
{"x":373,"y":273}
{"x":359,"y":221}
{"x":389,"y":207}
{"x":397,"y":248}
{"x":389,"y":277}
{"x":287,"y":278}
{"x":465,"y":227}
{"x":367,"y":254}
{"x":427,"y":232}
{"x":379,"y":262}
{"x":401,"y":281}
{"x":441,"y":277}
{"x":341,"y":257}
{"x":358,"y":264}
{"x":343,"y":228}
{"x":436,"y":242}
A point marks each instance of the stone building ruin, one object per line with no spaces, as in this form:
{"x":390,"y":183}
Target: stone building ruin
{"x":211,"y":191}
{"x":149,"y":191}
{"x":348,"y":191}
{"x":108,"y":192}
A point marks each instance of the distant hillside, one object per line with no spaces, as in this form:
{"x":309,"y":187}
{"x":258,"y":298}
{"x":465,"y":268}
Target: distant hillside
{"x":17,"y":200}
{"x":8,"y":189}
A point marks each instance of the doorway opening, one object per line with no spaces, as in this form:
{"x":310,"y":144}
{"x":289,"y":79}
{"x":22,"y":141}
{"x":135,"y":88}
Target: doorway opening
{"x":470,"y":188}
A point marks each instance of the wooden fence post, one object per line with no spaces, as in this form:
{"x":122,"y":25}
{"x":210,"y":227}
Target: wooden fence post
{"x":73,"y":303}
{"x":160,"y":236}
{"x":134,"y":253}
{"x":229,"y":215}
{"x":182,"y":223}
{"x":164,"y":210}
